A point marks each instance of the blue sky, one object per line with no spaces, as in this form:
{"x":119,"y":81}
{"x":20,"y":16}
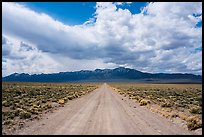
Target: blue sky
{"x":72,"y":13}
{"x":48,"y":37}
{"x":75,"y":13}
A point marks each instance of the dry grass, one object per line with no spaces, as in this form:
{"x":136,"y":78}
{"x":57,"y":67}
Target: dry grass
{"x":144,"y":102}
{"x":172,"y":100}
{"x":61,"y":101}
{"x":28,"y":100}
{"x":194,"y":122}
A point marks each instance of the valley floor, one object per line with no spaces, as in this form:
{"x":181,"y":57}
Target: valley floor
{"x":103,"y":111}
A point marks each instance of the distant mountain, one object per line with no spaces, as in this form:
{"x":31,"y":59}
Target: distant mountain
{"x":110,"y":75}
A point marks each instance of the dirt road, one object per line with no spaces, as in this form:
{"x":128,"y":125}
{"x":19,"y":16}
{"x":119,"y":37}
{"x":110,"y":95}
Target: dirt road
{"x":103,"y":111}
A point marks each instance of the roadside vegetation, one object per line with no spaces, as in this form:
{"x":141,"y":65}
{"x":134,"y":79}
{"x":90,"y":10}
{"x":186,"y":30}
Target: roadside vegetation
{"x":28,"y":101}
{"x":182,"y":101}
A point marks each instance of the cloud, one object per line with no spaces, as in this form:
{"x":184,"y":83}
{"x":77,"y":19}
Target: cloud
{"x":6,"y":48}
{"x":23,"y":57}
{"x":3,"y":40}
{"x":162,"y":38}
{"x":26,"y":58}
{"x":25,"y":47}
{"x":122,"y":3}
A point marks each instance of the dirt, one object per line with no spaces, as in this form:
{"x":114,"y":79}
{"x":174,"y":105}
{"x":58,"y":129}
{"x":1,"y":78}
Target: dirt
{"x":102,"y":112}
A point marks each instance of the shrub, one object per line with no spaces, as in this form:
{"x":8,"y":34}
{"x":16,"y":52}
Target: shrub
{"x":11,"y":115}
{"x":7,"y":122}
{"x":65,"y":99}
{"x":35,"y":106}
{"x":33,"y":110}
{"x":54,"y":100}
{"x":70,"y":97}
{"x":25,"y":115}
{"x":61,"y":101}
{"x":121,"y":93}
{"x":193,"y":123}
{"x":17,"y":111}
{"x":196,"y":110}
{"x":49,"y":105}
{"x":144,"y":102}
{"x":44,"y":107}
{"x":39,"y":109}
{"x":166,"y":104}
{"x":183,"y":116}
{"x":5,"y":103}
{"x":137,"y":98}
{"x":43,"y":101}
{"x":174,"y":115}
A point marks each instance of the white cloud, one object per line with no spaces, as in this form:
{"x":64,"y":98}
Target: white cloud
{"x":22,"y":57}
{"x":122,"y":3}
{"x":162,"y":38}
{"x":25,"y":58}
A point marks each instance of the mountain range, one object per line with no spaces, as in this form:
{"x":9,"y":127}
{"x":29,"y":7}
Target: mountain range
{"x":120,"y":74}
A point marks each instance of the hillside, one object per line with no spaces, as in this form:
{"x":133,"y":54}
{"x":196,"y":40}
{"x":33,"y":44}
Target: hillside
{"x":114,"y":75}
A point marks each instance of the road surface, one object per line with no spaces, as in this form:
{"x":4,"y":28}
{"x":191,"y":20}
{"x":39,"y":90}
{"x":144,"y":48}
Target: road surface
{"x":103,"y":112}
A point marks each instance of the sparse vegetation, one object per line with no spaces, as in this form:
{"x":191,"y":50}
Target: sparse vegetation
{"x":173,"y":100}
{"x":144,"y":102}
{"x":61,"y":101}
{"x":196,"y":110}
{"x":22,"y":101}
{"x":194,"y":122}
{"x":25,"y":115}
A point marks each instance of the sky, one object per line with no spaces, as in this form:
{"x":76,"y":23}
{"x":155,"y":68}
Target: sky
{"x":51,"y":37}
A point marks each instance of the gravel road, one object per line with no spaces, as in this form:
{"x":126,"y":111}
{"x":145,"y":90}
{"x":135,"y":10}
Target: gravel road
{"x":100,"y":112}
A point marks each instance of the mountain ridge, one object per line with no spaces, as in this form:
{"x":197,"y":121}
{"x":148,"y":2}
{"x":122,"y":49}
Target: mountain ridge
{"x":116,"y":74}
